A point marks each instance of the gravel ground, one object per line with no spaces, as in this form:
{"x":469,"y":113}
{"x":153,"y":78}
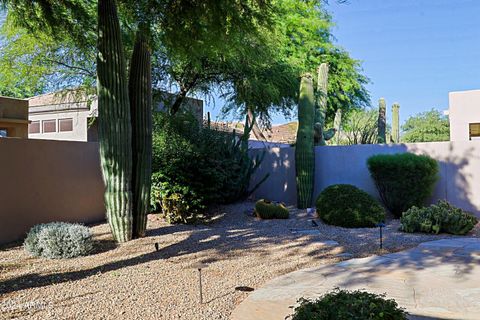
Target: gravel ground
{"x":133,"y":281}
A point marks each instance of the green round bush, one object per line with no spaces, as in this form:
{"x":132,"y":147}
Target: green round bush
{"x":58,"y":240}
{"x":347,"y":206}
{"x":403,"y":180}
{"x":349,"y":305}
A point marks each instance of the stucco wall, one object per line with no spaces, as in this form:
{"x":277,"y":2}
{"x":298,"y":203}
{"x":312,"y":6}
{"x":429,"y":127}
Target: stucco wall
{"x":464,"y":108}
{"x":459,"y":170}
{"x":44,"y":181}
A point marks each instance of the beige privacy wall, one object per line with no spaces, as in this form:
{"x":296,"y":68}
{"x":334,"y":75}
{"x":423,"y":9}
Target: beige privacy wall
{"x":459,"y":164}
{"x":44,"y":181}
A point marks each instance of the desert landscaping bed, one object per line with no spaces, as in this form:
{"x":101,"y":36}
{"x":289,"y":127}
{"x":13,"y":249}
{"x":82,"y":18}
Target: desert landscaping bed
{"x":134,"y":281}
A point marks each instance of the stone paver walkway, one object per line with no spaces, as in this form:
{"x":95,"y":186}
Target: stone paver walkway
{"x":436,"y":280}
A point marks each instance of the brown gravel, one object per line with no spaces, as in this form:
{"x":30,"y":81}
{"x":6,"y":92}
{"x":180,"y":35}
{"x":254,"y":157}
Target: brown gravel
{"x":133,"y":281}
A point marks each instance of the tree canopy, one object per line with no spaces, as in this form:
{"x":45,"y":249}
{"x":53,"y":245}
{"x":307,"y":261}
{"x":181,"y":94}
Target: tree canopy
{"x":427,"y":126}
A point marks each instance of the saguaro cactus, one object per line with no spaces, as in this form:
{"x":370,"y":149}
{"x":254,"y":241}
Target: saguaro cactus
{"x":140,"y":89}
{"x":396,"y":123}
{"x":304,"y":148}
{"x":382,"y":121}
{"x":114,"y":122}
{"x":321,"y":104}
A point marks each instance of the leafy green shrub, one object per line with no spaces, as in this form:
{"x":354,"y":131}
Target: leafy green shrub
{"x":442,"y":217}
{"x":208,"y":166}
{"x":267,"y":210}
{"x":58,"y":240}
{"x":347,"y":206}
{"x":403,"y":180}
{"x":349,"y":305}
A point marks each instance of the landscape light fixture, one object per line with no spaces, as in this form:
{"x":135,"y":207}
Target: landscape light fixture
{"x":381,"y":225}
{"x":199,"y":266}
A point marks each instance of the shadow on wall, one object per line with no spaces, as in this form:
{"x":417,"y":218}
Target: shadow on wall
{"x":459,"y":168}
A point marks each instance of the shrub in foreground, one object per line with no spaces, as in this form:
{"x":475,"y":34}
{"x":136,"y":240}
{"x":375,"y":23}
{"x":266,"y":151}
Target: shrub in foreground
{"x":58,"y":240}
{"x":347,"y":206}
{"x":437,"y":218}
{"x":349,"y":305}
{"x":267,"y":210}
{"x":403,"y":180}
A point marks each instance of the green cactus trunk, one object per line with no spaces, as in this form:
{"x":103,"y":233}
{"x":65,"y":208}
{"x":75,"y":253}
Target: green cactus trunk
{"x":382,"y":121}
{"x":337,"y":124}
{"x":304,"y":148}
{"x":396,"y":123}
{"x":140,"y":89}
{"x":114,"y":125}
{"x":321,"y":104}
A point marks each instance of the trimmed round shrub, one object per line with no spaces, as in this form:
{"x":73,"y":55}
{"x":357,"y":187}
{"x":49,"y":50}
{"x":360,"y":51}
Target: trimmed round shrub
{"x":403,"y":180}
{"x":437,"y":218}
{"x":58,"y":240}
{"x":347,"y":206}
{"x":349,"y":305}
{"x":268,"y":210}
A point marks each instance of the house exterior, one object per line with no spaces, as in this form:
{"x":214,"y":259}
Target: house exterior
{"x":464,"y":115}
{"x":71,"y":115}
{"x":13,"y":118}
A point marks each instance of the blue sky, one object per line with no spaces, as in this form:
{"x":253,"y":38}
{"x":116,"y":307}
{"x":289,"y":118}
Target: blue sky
{"x":414,"y":51}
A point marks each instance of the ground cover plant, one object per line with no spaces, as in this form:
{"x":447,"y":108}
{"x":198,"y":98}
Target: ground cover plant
{"x":268,"y":210}
{"x":437,"y":218}
{"x":347,"y":206}
{"x":59,"y":240}
{"x":403,"y":180}
{"x":349,"y":305}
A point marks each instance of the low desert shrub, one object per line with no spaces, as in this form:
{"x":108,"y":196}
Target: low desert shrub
{"x":58,"y":240}
{"x":268,"y":210}
{"x":403,"y":180}
{"x":347,"y":206}
{"x":349,"y":305}
{"x":437,"y":218}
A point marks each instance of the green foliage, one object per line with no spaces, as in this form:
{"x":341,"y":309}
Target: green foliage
{"x":437,"y":218}
{"x":58,"y":240}
{"x":347,"y":206}
{"x":304,"y":147}
{"x":267,"y":210}
{"x":349,"y":305}
{"x":209,"y":166}
{"x":403,"y":180}
{"x":360,"y":127}
{"x":426,"y":127}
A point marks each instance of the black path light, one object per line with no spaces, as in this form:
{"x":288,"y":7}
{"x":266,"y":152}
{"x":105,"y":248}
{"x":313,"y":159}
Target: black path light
{"x":199,"y":266}
{"x":381,"y":225}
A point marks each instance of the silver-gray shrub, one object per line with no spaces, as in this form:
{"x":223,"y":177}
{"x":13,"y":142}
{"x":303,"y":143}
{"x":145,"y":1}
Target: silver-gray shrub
{"x":58,"y":240}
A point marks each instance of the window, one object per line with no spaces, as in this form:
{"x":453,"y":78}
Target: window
{"x":474,"y":131}
{"x":65,"y":125}
{"x":49,"y":126}
{"x":3,"y":133}
{"x":34,"y":127}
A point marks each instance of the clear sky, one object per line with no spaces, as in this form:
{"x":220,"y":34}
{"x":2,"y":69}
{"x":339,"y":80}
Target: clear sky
{"x":413,"y":51}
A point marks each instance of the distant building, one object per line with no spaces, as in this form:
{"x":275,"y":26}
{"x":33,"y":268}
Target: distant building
{"x":71,"y":115}
{"x":464,"y":115}
{"x":13,"y":118}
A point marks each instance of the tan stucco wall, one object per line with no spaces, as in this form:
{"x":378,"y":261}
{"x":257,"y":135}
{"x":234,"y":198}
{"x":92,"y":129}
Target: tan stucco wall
{"x":44,"y":181}
{"x":14,"y":117}
{"x":464,"y":108}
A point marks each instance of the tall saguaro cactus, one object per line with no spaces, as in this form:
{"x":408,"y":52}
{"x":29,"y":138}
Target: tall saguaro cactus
{"x":140,"y":90}
{"x":321,"y":104}
{"x":396,"y":123}
{"x":114,"y":125}
{"x":337,"y":123}
{"x":382,"y":121}
{"x":304,"y":148}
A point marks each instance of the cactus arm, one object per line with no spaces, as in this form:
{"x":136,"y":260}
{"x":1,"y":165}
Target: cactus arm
{"x":140,"y":89}
{"x":321,"y":103}
{"x":337,"y":124}
{"x":382,"y":120}
{"x":114,"y":122}
{"x":304,"y":148}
